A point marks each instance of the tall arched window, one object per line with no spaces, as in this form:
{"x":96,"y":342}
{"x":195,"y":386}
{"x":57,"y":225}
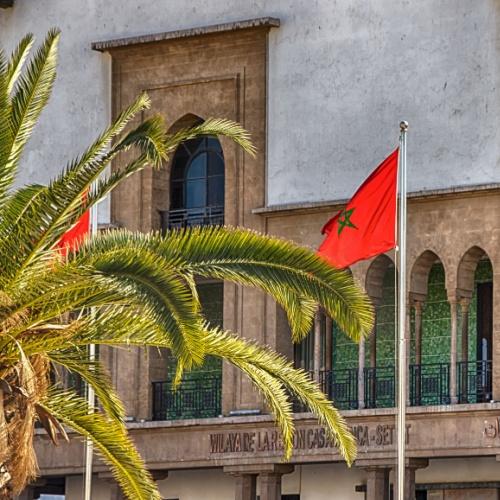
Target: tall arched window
{"x":197,"y":184}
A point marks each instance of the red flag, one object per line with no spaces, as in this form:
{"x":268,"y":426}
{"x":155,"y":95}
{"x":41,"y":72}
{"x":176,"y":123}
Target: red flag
{"x":367,"y":225}
{"x":71,"y":240}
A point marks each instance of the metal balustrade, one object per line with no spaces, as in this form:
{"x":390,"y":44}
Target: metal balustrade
{"x":474,"y":381}
{"x":380,"y":387}
{"x":198,"y":396}
{"x":341,"y":386}
{"x":430,"y":384}
{"x":188,"y":217}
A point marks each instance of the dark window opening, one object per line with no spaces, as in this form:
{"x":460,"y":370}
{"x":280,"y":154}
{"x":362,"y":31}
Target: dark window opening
{"x":197,"y":185}
{"x":54,"y":488}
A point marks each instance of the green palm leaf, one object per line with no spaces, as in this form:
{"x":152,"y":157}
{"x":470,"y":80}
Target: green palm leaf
{"x":76,"y":362}
{"x":32,"y":93}
{"x":142,"y":288}
{"x":17,"y":60}
{"x":109,"y":438}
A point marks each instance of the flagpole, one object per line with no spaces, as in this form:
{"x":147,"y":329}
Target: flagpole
{"x":401,"y":260}
{"x":89,"y":448}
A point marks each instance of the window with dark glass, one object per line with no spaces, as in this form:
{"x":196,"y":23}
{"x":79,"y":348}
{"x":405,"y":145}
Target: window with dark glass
{"x":197,"y":184}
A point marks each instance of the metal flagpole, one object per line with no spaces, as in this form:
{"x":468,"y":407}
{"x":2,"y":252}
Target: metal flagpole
{"x":89,"y":448}
{"x":401,"y":260}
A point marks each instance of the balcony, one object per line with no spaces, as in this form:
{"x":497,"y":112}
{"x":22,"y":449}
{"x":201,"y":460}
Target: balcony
{"x":429,"y":385}
{"x":189,"y":217}
{"x":199,"y":396}
{"x":474,"y":380}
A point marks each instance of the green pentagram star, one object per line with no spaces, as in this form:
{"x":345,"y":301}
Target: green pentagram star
{"x":344,"y":220}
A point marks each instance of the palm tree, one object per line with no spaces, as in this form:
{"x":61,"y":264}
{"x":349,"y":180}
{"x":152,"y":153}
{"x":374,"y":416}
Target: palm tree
{"x":140,"y":287}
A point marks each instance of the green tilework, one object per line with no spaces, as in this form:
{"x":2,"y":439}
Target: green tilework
{"x":436,"y":324}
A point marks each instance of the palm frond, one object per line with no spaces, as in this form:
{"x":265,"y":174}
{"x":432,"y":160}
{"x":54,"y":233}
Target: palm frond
{"x":32,"y":92}
{"x":240,"y":353}
{"x":17,"y":60}
{"x":62,"y":203}
{"x":273,"y":264}
{"x":5,"y":125}
{"x":294,"y":276}
{"x":111,"y":441}
{"x":76,"y":361}
{"x":161,"y":291}
{"x":273,"y":375}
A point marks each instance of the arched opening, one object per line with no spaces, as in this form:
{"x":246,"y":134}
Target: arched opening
{"x":429,"y":368}
{"x":475,"y":297}
{"x":193,"y":190}
{"x":196,"y":182}
{"x":379,"y":374}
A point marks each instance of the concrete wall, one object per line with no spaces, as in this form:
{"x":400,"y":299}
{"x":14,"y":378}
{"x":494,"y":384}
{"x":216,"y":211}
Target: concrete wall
{"x":341,"y":75}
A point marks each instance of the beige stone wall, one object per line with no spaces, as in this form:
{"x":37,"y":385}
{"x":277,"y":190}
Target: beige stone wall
{"x":217,"y":75}
{"x":457,"y":229}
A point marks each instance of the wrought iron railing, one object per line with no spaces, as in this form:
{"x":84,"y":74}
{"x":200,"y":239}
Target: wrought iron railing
{"x":297,"y":405}
{"x":380,"y":387}
{"x":430,"y":384}
{"x":198,"y":396}
{"x":474,"y":381}
{"x":188,"y":217}
{"x":341,"y":386}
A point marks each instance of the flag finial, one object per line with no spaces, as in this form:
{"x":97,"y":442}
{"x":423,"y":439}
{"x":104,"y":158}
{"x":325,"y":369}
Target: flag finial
{"x":403,"y":126}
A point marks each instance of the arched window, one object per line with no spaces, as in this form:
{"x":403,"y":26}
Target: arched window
{"x":197,"y":184}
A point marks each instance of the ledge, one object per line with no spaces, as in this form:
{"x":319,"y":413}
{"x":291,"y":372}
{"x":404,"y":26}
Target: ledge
{"x":432,"y":193}
{"x":261,"y":22}
{"x":308,"y":417}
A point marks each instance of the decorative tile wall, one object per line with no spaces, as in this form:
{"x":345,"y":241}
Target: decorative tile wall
{"x":436,"y":324}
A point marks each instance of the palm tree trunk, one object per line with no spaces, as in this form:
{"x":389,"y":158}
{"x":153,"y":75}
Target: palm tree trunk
{"x":5,"y":477}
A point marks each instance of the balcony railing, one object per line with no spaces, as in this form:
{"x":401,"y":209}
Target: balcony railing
{"x":198,"y":396}
{"x":380,"y":387}
{"x":430,"y":384}
{"x":474,"y":381}
{"x":188,"y":217}
{"x":341,"y":386}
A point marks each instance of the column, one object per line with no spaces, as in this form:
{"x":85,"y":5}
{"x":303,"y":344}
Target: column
{"x":245,"y":487}
{"x":269,"y":480}
{"x":418,"y":351}
{"x":328,"y":343}
{"x":464,"y":309}
{"x":408,"y":354}
{"x":453,"y":350}
{"x":361,"y":374}
{"x":317,"y":346}
{"x":372,"y":399}
{"x":377,"y":483}
{"x":412,"y":465}
{"x":270,"y":486}
{"x":418,"y":332}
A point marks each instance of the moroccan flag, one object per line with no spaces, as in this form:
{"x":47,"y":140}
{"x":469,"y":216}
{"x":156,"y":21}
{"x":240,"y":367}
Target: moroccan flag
{"x":367,"y":225}
{"x":71,"y":240}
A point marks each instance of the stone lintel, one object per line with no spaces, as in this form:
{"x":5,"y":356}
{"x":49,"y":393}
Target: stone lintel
{"x":259,"y":469}
{"x":261,"y":22}
{"x":388,"y":463}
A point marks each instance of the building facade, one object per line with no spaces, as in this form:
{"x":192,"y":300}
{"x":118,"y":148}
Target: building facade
{"x":322,"y":87}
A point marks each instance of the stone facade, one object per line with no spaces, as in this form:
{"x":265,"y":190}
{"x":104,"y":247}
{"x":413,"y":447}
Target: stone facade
{"x":224,"y":71}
